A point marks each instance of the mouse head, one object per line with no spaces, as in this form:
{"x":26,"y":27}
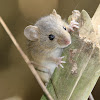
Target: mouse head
{"x":50,"y":32}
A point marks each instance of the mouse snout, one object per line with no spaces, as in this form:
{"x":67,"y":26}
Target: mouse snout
{"x":67,"y":41}
{"x":64,"y":41}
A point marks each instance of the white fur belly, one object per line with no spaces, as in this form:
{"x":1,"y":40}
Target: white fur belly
{"x":49,"y":66}
{"x":46,"y":72}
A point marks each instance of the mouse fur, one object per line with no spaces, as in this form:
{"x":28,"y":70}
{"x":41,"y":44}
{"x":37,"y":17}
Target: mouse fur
{"x":46,"y":53}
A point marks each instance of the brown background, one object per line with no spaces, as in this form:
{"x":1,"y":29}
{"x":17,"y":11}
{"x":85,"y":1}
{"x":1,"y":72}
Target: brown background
{"x":15,"y":77}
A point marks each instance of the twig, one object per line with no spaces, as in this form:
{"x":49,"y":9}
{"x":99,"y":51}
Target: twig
{"x":26,"y":59}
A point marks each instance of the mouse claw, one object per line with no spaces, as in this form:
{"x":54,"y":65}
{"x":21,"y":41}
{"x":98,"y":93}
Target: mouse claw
{"x":61,"y":66}
{"x":70,"y":28}
{"x":63,"y":62}
{"x":76,"y":26}
{"x":73,"y":25}
{"x":60,"y":62}
{"x":62,"y":57}
{"x":73,"y":22}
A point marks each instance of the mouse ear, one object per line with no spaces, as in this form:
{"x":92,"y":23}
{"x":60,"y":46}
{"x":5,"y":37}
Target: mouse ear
{"x":31,"y":33}
{"x":55,"y":14}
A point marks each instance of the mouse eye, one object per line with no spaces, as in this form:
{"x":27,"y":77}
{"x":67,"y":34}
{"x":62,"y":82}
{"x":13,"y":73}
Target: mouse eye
{"x":51,"y":37}
{"x":64,"y":28}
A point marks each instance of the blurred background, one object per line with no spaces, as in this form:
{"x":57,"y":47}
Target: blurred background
{"x":16,"y":80}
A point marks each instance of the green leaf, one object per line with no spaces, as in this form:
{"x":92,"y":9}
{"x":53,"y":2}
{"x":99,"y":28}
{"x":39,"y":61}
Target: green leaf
{"x":81,"y":54}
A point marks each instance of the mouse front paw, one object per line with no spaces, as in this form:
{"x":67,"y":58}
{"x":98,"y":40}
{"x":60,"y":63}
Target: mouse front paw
{"x":73,"y":24}
{"x":59,"y":61}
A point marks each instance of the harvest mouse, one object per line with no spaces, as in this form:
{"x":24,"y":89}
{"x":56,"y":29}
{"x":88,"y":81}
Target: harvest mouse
{"x":46,"y":40}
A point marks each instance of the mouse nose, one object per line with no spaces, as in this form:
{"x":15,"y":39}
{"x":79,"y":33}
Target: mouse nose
{"x":64,"y":40}
{"x":67,"y":41}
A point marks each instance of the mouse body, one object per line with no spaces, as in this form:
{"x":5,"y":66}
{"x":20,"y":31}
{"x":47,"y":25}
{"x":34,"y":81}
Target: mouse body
{"x":46,"y":41}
